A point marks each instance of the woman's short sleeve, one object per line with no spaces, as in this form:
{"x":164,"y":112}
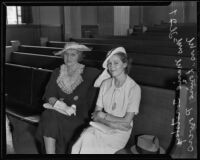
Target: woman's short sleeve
{"x":100,"y":96}
{"x":134,"y":98}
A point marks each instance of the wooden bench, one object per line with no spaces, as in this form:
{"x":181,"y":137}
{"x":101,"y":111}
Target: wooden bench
{"x":36,"y":60}
{"x":24,"y":101}
{"x":155,"y":116}
{"x":135,"y":42}
{"x":38,"y":49}
{"x":51,"y":50}
{"x":24,"y":88}
{"x":156,"y":49}
{"x":104,"y":48}
{"x":142,"y":58}
{"x":156,"y":108}
{"x":45,"y":61}
{"x":144,"y":74}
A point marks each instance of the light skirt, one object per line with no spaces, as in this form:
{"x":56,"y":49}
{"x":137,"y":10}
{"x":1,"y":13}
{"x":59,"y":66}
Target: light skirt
{"x":94,"y":141}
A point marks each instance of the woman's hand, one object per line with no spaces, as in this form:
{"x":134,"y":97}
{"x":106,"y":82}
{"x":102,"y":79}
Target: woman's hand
{"x":98,"y":115}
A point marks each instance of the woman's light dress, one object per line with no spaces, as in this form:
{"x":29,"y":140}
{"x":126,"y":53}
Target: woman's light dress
{"x":115,"y":101}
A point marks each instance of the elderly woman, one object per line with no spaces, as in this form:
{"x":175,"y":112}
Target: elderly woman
{"x":117,"y":103}
{"x":69,"y":95}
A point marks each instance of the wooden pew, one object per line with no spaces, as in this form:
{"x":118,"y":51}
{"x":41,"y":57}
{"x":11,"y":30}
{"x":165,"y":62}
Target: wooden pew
{"x":135,"y":42}
{"x":153,"y":60}
{"x":26,"y":102}
{"x":93,"y":46}
{"x":38,"y":49}
{"x":50,"y":50}
{"x":137,"y":57}
{"x":161,"y":61}
{"x":157,"y":76}
{"x":135,"y":37}
{"x":14,"y":96}
{"x":36,"y":60}
{"x":24,"y":89}
{"x":139,"y":48}
{"x":156,"y":109}
{"x":155,"y":115}
{"x":105,"y":48}
{"x":186,"y":29}
{"x":147,"y":75}
{"x":45,"y":61}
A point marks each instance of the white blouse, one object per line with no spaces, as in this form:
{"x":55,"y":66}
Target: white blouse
{"x":118,"y":101}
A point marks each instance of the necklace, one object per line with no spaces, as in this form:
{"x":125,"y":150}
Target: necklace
{"x":114,"y":105}
{"x":118,"y":85}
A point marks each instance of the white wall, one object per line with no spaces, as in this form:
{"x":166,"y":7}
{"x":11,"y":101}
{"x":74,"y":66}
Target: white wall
{"x":121,"y":20}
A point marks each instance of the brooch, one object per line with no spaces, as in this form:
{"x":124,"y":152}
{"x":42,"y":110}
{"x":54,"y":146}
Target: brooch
{"x":75,"y":98}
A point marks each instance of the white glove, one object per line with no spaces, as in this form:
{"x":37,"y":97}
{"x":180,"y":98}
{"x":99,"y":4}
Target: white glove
{"x":63,"y":106}
{"x":72,"y":110}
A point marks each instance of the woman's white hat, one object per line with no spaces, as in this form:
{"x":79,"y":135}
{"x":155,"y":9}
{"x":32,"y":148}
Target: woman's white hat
{"x":73,"y":45}
{"x":105,"y":75}
{"x":112,"y":52}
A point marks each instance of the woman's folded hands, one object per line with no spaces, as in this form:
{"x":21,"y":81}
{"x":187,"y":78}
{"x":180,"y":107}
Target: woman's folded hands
{"x":100,"y":116}
{"x":62,"y":107}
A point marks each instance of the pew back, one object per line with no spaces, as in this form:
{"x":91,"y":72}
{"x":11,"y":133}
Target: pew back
{"x":157,"y":76}
{"x":155,"y":115}
{"x":45,"y":61}
{"x":130,"y":47}
{"x":147,"y":75}
{"x":24,"y":88}
{"x":36,"y":60}
{"x":136,"y":57}
{"x":17,"y":78}
{"x":38,"y":49}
